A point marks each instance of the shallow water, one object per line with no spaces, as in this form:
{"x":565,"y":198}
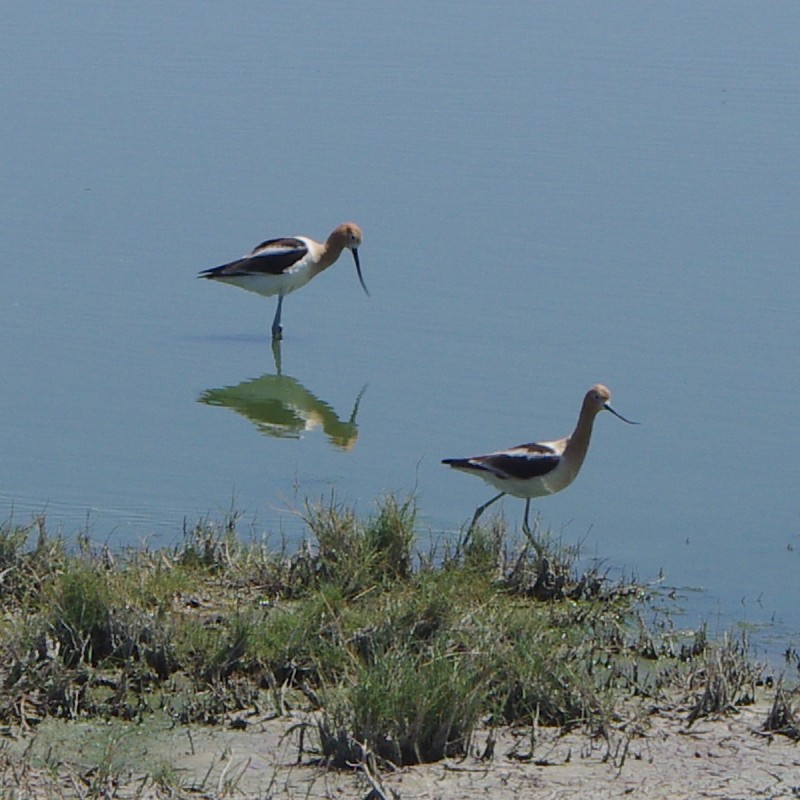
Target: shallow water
{"x":551,"y":196}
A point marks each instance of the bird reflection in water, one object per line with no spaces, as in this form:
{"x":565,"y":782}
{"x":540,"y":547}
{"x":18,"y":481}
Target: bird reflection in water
{"x":279,"y":405}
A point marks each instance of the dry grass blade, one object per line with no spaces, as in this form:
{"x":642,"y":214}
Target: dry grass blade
{"x":784,"y":717}
{"x":728,"y":678}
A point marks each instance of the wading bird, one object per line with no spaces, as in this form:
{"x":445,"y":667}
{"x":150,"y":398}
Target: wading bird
{"x":281,"y":266}
{"x":540,"y":468}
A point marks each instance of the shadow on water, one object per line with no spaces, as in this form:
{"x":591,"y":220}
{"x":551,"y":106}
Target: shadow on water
{"x":279,"y":405}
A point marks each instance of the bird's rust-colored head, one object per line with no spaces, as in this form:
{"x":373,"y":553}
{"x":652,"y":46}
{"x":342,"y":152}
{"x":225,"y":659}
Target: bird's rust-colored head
{"x":348,"y":235}
{"x":598,"y":399}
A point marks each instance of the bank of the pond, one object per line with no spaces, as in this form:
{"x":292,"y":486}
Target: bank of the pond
{"x":222,"y":667}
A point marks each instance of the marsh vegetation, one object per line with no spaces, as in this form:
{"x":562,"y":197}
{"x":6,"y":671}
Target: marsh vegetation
{"x":396,"y":654}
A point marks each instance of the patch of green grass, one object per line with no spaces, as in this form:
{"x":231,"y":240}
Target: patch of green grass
{"x":81,"y":614}
{"x":356,"y":555}
{"x":407,"y":707}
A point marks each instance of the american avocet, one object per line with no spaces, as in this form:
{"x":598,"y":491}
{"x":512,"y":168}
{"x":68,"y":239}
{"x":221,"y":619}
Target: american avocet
{"x":281,"y":266}
{"x":540,"y":468}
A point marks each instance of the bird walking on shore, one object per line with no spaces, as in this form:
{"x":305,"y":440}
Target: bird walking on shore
{"x":539,"y":468}
{"x":281,"y":266}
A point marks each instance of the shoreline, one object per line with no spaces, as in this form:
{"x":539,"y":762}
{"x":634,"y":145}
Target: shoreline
{"x":354,"y":666}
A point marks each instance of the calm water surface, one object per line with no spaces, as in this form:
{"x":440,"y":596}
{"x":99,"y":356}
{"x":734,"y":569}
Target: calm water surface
{"x":551,"y":195}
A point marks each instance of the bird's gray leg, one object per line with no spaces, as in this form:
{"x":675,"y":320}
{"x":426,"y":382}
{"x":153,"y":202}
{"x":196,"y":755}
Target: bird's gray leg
{"x":481,"y":509}
{"x":537,"y":546}
{"x":276,"y":323}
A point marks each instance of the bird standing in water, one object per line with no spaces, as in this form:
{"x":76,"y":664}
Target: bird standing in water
{"x":281,"y":266}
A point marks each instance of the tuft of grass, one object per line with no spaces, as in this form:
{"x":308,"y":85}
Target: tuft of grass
{"x":389,"y":538}
{"x":82,"y":617}
{"x":784,"y":716}
{"x":541,"y":676}
{"x":25,"y":570}
{"x":356,"y":555}
{"x":208,"y":545}
{"x":725,"y":677}
{"x":483,"y":549}
{"x":408,"y":707}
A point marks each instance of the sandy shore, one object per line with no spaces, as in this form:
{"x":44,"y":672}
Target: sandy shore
{"x":714,"y":758}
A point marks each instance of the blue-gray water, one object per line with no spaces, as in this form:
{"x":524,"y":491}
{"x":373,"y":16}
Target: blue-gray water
{"x":551,"y":195}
